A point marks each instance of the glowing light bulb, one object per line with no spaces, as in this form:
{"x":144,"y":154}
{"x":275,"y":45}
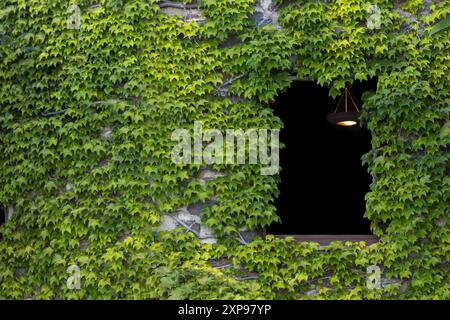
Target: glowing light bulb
{"x":347,"y":123}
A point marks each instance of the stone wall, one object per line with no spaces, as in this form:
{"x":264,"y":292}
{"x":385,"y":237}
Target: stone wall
{"x":189,"y":217}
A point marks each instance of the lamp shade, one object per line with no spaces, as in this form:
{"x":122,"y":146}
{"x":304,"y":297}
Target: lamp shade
{"x":345,"y":119}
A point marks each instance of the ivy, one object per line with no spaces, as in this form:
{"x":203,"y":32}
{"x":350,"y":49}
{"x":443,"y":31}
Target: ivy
{"x":85,"y":147}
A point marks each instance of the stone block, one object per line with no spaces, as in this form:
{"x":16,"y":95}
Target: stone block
{"x":167,"y":223}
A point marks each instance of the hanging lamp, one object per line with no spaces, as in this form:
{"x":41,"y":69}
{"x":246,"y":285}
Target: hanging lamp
{"x":345,"y":115}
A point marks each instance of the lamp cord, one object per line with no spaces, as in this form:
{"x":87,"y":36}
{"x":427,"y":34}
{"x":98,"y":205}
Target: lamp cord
{"x":345,"y":94}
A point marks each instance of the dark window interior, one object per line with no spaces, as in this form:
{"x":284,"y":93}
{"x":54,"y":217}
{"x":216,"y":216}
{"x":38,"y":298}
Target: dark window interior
{"x":323,"y":181}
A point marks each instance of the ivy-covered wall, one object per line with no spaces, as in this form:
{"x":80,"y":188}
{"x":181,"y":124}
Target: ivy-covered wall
{"x":86,"y":117}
